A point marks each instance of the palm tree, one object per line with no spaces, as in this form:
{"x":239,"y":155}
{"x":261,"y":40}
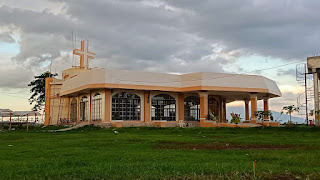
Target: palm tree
{"x":38,"y":90}
{"x":289,"y":110}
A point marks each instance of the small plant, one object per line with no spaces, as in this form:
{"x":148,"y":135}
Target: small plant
{"x":261,"y":114}
{"x":235,"y":118}
{"x":211,"y":116}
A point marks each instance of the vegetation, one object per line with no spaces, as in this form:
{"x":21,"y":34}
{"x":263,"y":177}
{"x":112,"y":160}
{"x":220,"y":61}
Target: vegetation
{"x":235,"y":118}
{"x":158,"y":153}
{"x":211,"y":116}
{"x":289,"y":110}
{"x":38,"y":90}
{"x":261,"y":114}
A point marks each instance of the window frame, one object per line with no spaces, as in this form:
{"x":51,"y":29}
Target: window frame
{"x":126,"y":106}
{"x":161,"y":108}
{"x":84,"y":103}
{"x":96,"y":107}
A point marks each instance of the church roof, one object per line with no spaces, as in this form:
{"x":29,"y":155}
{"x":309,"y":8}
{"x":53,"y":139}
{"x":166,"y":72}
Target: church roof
{"x":203,"y":81}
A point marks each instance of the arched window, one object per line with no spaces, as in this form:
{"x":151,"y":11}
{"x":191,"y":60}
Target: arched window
{"x":73,"y":110}
{"x":213,"y":106}
{"x":163,"y":107}
{"x":96,"y":107}
{"x":84,"y":106}
{"x":126,"y":106}
{"x":192,"y":108}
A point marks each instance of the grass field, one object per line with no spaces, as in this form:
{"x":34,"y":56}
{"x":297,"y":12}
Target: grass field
{"x":158,"y":153}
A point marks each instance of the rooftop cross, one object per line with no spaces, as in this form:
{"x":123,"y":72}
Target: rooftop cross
{"x":84,"y":54}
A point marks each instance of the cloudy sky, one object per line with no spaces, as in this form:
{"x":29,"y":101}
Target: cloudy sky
{"x":180,"y":36}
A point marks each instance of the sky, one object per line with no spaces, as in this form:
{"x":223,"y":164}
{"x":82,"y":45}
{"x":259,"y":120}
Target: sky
{"x":181,"y":36}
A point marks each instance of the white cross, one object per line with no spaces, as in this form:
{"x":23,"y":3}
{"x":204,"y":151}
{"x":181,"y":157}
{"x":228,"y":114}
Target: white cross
{"x":84,"y":54}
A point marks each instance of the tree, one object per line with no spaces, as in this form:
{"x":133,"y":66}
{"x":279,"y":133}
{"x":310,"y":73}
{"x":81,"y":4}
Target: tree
{"x":289,"y":110}
{"x":38,"y":90}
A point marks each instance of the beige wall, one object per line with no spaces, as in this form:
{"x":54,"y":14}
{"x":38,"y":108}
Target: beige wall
{"x":59,"y":107}
{"x":141,"y":78}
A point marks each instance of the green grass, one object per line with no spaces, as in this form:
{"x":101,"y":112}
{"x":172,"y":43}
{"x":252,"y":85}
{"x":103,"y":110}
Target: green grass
{"x":158,"y":153}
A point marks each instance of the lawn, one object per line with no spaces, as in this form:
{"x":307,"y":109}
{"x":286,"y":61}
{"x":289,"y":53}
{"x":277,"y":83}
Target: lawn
{"x":158,"y":153}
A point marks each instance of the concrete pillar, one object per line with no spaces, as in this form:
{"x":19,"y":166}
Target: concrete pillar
{"x":266,"y":107}
{"x":181,"y":107}
{"x":78,"y":109}
{"x":221,"y":110}
{"x":246,"y":107}
{"x":147,"y":107}
{"x":107,"y":105}
{"x":316,"y":93}
{"x":203,"y":105}
{"x":254,"y":107}
{"x":224,"y":110}
{"x":47,"y":101}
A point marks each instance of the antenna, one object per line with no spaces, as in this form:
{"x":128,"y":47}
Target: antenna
{"x":72,"y":48}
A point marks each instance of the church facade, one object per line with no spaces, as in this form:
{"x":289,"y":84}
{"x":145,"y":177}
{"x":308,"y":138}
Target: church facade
{"x":131,"y":98}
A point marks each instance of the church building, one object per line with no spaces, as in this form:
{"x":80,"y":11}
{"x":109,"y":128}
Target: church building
{"x":124,"y":98}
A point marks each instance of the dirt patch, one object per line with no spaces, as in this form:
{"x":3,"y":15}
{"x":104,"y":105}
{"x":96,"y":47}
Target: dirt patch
{"x":225,"y":146}
{"x":285,"y":176}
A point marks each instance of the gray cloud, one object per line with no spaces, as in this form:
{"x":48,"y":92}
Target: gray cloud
{"x":166,"y":36}
{"x":6,"y":37}
{"x":285,"y":29}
